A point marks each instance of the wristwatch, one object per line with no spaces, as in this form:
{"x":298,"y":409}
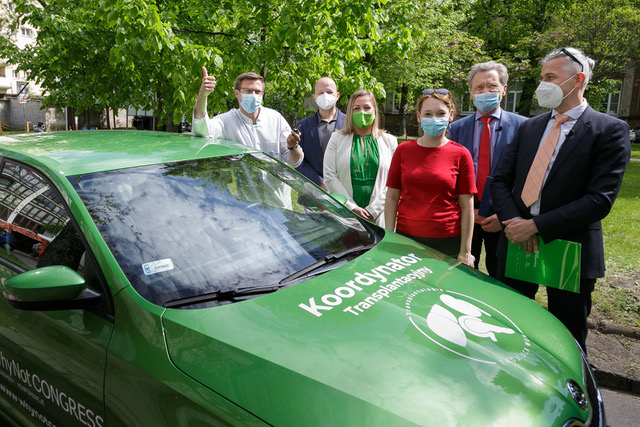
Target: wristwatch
{"x":294,"y":147}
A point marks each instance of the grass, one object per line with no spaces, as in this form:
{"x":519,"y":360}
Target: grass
{"x":617,"y":296}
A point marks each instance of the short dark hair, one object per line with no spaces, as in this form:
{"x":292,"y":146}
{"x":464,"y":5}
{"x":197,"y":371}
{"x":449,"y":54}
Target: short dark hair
{"x":247,"y":76}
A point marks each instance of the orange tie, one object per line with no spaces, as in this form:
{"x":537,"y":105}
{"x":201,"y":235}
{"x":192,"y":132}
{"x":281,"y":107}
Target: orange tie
{"x":533,"y":184}
{"x":484,"y":156}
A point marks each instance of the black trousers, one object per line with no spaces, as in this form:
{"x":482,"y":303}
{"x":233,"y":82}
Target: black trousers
{"x":571,"y":308}
{"x":490,"y":246}
{"x":448,"y":246}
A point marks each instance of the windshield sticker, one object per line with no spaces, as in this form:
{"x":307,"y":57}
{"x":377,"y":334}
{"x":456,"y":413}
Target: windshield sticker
{"x":157,"y":266}
{"x":382,"y":276}
{"x":458,"y":323}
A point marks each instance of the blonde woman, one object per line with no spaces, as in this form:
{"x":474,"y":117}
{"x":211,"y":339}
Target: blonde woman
{"x":357,"y":159}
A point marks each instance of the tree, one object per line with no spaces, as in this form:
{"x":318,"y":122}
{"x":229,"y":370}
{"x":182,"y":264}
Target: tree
{"x":614,"y":45}
{"x":514,"y":34}
{"x":439,"y":56}
{"x":148,"y":54}
{"x":520,"y":32}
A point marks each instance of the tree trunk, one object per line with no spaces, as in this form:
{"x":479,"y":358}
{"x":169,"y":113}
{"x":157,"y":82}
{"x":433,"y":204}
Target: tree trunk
{"x":402,"y":128}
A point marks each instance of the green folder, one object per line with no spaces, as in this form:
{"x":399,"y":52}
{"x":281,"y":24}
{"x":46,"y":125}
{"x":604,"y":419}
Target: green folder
{"x":557,"y":264}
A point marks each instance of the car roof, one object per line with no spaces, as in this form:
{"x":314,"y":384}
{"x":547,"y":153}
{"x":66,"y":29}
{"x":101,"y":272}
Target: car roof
{"x":79,"y":152}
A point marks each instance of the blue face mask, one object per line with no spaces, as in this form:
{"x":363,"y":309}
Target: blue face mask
{"x":486,"y":102}
{"x":434,"y":126}
{"x":250,"y":102}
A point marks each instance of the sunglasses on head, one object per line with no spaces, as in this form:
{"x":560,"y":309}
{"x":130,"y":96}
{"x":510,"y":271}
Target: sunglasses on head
{"x":570,"y":55}
{"x":438,"y":91}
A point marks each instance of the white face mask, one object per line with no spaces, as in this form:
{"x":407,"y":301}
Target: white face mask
{"x":326,"y":101}
{"x":550,"y":94}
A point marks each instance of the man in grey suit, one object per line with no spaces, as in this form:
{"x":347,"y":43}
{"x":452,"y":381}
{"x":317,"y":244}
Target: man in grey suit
{"x":486,"y":134}
{"x":559,"y":178}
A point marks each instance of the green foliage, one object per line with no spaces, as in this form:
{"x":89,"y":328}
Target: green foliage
{"x":149,"y":55}
{"x":609,"y":34}
{"x":621,"y":225}
{"x":520,"y":32}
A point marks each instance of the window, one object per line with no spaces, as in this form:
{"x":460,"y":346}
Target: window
{"x":393,"y":103}
{"x":27,"y":32}
{"x":512,"y":98}
{"x":36,"y":231}
{"x":466,"y":105}
{"x":215,"y":205}
{"x":33,"y":217}
{"x":613,"y":100}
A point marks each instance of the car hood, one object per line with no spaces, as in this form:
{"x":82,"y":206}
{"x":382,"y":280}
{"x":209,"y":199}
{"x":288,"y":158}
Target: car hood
{"x":398,"y":336}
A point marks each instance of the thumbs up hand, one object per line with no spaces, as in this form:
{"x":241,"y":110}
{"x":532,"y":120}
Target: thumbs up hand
{"x":208,"y":83}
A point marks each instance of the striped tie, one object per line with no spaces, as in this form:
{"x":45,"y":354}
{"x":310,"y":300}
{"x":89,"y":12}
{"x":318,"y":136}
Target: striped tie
{"x":533,"y":184}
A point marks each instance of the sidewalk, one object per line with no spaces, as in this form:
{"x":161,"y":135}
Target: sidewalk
{"x":614,"y":354}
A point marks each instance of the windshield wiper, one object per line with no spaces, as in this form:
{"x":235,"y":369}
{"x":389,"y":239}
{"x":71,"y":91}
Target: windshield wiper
{"x":233,"y":295}
{"x":241,"y":294}
{"x":329,"y":259}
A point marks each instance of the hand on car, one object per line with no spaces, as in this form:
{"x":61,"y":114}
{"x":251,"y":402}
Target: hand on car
{"x":466,"y":258}
{"x":363,"y":213}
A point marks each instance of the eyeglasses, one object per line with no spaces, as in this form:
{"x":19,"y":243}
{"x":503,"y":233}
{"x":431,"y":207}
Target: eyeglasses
{"x":570,"y":55}
{"x":250,"y":91}
{"x":438,"y":91}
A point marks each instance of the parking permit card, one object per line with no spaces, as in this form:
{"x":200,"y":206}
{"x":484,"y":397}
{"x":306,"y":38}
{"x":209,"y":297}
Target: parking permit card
{"x":154,"y":267}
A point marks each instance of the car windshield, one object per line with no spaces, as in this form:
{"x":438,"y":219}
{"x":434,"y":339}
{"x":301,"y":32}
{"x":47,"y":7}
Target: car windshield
{"x":216,"y":225}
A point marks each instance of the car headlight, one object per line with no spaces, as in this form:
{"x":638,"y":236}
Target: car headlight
{"x":597,"y":416}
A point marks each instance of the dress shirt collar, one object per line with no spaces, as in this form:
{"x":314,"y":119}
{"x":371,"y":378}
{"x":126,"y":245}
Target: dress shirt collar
{"x":320,"y":119}
{"x":575,"y":112}
{"x":495,"y":114}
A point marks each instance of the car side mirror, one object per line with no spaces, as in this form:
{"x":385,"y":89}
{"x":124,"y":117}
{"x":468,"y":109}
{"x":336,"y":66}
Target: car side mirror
{"x":49,"y":288}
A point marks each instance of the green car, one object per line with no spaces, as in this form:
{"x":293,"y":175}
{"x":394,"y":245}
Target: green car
{"x":161,"y":279}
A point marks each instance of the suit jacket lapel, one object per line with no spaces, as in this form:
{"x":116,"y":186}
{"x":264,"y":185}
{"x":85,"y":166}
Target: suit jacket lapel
{"x":579,"y":130}
{"x":500,"y":140}
{"x":315,"y":139}
{"x":529,"y":149}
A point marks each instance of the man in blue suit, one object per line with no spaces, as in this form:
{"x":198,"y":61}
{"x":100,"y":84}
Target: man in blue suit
{"x":486,"y":134}
{"x":559,"y":178}
{"x":315,"y":130}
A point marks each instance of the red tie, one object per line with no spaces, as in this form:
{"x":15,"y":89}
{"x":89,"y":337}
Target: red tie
{"x":484,"y":157}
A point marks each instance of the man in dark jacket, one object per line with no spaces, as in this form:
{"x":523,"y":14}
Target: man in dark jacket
{"x":486,"y":134}
{"x":315,"y":130}
{"x":559,"y":178}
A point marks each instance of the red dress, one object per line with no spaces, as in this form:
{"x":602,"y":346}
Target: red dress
{"x":430,"y":180}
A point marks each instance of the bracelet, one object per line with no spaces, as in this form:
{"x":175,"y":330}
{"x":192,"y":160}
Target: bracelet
{"x":294,"y":147}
